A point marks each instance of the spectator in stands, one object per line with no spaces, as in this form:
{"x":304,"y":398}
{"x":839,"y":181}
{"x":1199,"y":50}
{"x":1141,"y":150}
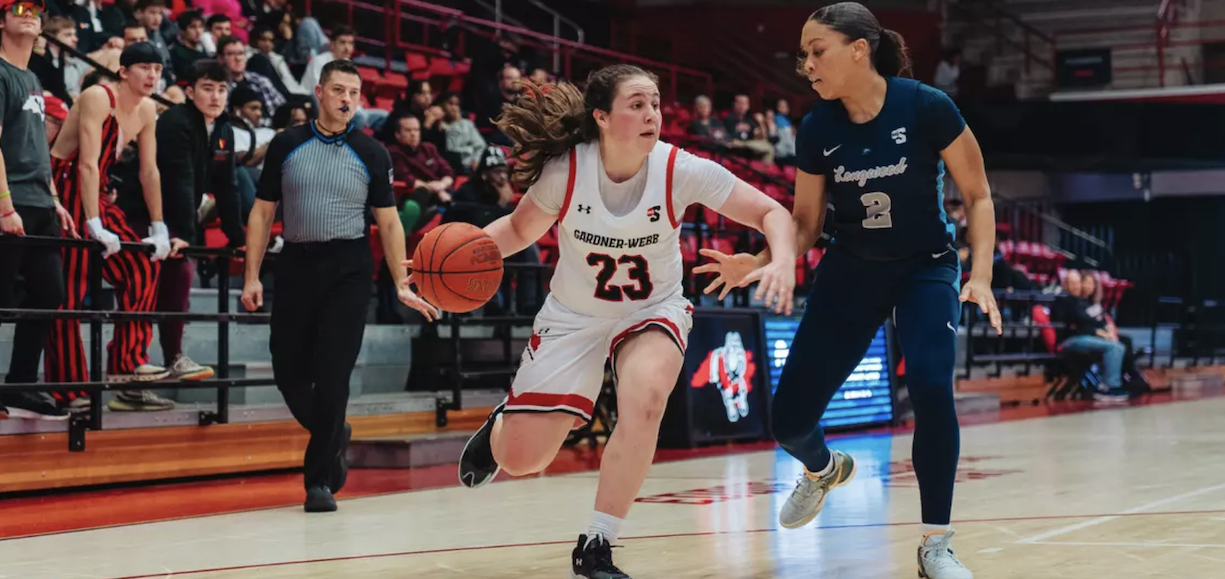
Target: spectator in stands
{"x":540,"y":77}
{"x":1082,"y":333}
{"x":344,"y":40}
{"x":464,"y":141}
{"x":290,"y":116}
{"x":218,"y":27}
{"x":233,"y":53}
{"x":489,"y":98}
{"x":28,"y":206}
{"x":115,"y":16}
{"x":188,"y":49}
{"x":251,"y":140}
{"x":196,"y":154}
{"x":418,"y":102}
{"x":955,"y":212}
{"x":91,"y":30}
{"x":1133,"y":376}
{"x":60,"y":72}
{"x":264,"y":59}
{"x":784,"y":146}
{"x":420,"y":166}
{"x":704,"y":124}
{"x":150,"y":14}
{"x":746,"y":132}
{"x":948,"y":72}
{"x":134,"y":32}
{"x":481,"y":201}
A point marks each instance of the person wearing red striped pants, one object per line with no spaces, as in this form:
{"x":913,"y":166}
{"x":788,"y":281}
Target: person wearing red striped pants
{"x":104,"y":119}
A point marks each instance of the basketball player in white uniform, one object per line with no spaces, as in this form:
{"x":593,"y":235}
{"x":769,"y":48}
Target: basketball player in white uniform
{"x":598,"y":169}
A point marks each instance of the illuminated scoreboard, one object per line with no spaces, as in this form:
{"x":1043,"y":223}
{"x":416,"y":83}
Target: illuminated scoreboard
{"x":866,"y":397}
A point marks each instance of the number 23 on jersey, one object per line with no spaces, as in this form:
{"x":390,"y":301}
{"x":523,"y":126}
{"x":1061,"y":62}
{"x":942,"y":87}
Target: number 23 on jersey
{"x":636,"y":269}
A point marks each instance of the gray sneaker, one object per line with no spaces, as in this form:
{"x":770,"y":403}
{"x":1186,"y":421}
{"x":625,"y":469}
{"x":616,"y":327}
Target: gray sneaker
{"x":139,"y":401}
{"x":937,"y":561}
{"x":806,"y":500}
{"x":185,"y":368}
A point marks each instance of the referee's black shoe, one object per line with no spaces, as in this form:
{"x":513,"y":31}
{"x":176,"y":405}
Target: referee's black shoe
{"x":477,"y":467}
{"x":340,"y":471}
{"x":319,"y":499}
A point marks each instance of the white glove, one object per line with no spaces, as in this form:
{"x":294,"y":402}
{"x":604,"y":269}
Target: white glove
{"x":159,"y":236}
{"x":277,"y":245}
{"x":99,"y":233}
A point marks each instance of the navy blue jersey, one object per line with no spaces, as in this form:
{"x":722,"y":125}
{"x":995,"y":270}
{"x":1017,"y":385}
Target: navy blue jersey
{"x":884,"y":177}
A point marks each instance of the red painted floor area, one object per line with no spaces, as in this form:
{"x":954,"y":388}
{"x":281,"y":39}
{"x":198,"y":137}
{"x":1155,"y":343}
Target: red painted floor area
{"x":58,"y":513}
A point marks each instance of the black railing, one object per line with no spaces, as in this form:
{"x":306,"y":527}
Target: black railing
{"x":92,"y":420}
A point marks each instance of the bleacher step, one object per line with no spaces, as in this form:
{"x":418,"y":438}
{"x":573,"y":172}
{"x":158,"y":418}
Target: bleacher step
{"x":410,"y":451}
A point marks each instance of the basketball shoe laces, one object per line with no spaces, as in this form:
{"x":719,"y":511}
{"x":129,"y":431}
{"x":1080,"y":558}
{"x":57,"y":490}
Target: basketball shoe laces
{"x":600,"y":552}
{"x":937,"y":559}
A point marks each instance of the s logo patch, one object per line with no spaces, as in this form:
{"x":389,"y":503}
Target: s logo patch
{"x":653,"y":214}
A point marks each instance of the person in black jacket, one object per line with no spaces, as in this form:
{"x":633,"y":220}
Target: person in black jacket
{"x":195,"y":153}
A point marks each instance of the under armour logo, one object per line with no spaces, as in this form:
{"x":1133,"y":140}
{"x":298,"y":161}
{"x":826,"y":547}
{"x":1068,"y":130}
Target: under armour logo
{"x":653,"y":214}
{"x":584,"y":208}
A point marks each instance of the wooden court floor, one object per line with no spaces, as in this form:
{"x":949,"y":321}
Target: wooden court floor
{"x":1136,"y":492}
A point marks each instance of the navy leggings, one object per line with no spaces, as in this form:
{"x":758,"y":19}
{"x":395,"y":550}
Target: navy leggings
{"x":850,"y":299}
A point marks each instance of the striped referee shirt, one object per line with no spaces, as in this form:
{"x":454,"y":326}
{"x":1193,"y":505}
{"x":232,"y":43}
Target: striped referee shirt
{"x":324,"y":184}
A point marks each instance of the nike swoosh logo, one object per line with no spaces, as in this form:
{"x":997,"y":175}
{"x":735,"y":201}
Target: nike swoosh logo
{"x":830,"y":151}
{"x":935,"y":255}
{"x":950,"y":326}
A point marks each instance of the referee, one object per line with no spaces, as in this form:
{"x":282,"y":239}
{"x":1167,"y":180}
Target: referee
{"x":326,"y":175}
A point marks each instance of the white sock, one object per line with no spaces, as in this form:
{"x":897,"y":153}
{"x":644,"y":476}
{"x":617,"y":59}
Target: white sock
{"x":929,"y":529}
{"x":829,"y":468}
{"x":603,"y":525}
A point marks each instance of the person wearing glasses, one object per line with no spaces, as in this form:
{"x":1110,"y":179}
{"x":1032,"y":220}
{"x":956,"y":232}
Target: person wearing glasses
{"x":28,"y":206}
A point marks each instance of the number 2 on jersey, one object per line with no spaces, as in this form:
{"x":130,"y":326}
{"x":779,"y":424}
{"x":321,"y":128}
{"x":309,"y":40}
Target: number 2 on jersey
{"x":878,"y":205}
{"x":638,"y":272}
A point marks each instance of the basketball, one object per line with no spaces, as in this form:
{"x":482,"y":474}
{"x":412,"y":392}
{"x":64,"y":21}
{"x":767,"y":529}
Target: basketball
{"x":457,"y":267}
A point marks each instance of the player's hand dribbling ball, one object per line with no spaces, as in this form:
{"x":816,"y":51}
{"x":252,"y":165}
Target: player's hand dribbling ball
{"x":457,"y":267}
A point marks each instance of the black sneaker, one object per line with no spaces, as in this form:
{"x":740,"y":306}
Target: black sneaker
{"x":340,"y":473}
{"x":477,"y":466}
{"x":319,"y":500}
{"x":594,"y":561}
{"x":33,"y":405}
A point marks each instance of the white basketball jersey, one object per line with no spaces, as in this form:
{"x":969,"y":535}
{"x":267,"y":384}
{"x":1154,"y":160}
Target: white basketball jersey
{"x":613,"y":266}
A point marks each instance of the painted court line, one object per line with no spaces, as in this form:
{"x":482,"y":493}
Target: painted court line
{"x":1132,"y":511}
{"x":1083,"y":544}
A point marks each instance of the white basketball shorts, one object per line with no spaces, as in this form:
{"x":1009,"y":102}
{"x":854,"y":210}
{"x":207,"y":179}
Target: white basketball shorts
{"x":562,"y":368}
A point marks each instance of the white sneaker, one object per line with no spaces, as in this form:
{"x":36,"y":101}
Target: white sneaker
{"x":806,"y":500}
{"x":937,"y":561}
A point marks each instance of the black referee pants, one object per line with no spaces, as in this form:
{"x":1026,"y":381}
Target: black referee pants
{"x":321,"y":295}
{"x":39,"y":267}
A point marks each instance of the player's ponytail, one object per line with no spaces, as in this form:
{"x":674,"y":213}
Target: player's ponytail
{"x":545,"y":122}
{"x":855,"y":21}
{"x":890,"y":56}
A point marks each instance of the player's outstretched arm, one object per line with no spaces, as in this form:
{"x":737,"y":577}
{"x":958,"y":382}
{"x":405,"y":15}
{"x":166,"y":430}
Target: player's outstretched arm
{"x":964,"y":160}
{"x":806,"y":222}
{"x":749,"y":206}
{"x":526,"y":224}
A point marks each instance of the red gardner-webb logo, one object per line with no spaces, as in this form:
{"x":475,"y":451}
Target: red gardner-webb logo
{"x":730,"y":368}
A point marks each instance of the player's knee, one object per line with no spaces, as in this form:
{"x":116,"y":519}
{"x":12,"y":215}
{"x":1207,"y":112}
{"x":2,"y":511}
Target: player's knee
{"x":644,"y":395}
{"x":520,"y":460}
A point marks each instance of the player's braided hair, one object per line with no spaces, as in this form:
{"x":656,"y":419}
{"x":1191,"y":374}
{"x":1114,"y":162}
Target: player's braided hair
{"x":545,"y":122}
{"x":889,"y":54}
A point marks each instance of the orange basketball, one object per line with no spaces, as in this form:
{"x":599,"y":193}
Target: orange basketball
{"x":457,"y":267}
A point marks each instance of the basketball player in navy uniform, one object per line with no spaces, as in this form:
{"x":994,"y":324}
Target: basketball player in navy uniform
{"x":877,"y":146}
